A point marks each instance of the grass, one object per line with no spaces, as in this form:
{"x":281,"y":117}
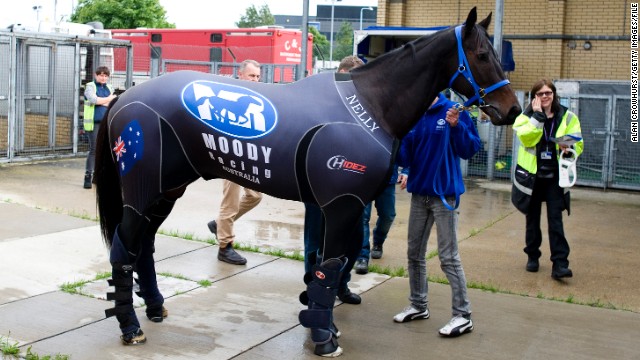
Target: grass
{"x":175,"y":276}
{"x":12,"y":351}
{"x":33,"y":356}
{"x":473,"y":232}
{"x":76,"y":287}
{"x":393,"y":272}
{"x":187,"y":236}
{"x":402,"y":272}
{"x":570,"y":299}
{"x":7,"y":347}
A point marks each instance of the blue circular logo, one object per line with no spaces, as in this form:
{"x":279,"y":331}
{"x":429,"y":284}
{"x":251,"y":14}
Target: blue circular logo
{"x":232,"y":110}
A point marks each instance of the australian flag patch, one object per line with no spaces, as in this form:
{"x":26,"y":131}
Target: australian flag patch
{"x":128,"y":148}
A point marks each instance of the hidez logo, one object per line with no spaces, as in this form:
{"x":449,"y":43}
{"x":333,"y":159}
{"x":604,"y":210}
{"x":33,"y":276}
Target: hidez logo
{"x":232,"y":110}
{"x":339,"y":162}
{"x":440,"y":124}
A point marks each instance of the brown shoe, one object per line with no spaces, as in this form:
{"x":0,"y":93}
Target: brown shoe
{"x":229,"y":255}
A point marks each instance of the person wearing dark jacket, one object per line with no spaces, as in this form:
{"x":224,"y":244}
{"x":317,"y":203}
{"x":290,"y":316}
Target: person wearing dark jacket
{"x":97,"y":94}
{"x":536,"y":178}
{"x":432,"y":152}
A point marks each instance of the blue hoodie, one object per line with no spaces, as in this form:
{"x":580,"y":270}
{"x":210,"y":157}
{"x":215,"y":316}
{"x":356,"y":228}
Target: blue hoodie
{"x":421,"y":151}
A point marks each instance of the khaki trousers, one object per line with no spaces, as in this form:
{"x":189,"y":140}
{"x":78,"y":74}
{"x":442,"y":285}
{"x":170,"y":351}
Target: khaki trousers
{"x":232,"y":207}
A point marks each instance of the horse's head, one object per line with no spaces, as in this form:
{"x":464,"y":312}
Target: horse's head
{"x":479,"y":76}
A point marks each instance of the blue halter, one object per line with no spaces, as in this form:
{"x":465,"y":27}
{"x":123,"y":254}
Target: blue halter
{"x":465,"y":71}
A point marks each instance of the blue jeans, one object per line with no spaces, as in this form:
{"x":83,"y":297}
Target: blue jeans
{"x":386,"y":208}
{"x":314,"y":240}
{"x":425,"y":210}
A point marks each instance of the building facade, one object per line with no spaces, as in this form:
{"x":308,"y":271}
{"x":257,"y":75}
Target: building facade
{"x":557,"y":39}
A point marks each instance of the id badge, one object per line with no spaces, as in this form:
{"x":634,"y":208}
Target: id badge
{"x":545,"y":155}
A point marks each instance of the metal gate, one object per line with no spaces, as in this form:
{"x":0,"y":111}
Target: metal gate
{"x":40,"y":79}
{"x":610,"y":159}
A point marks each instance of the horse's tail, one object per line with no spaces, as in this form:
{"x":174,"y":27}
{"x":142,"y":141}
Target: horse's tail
{"x":107,"y":180}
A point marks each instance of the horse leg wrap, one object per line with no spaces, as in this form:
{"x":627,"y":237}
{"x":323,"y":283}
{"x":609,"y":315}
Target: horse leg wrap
{"x":148,"y":283}
{"x":321,"y":294}
{"x":122,"y":264}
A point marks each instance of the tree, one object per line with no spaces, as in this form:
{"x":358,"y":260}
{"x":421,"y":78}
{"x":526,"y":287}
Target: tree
{"x":122,"y":14}
{"x":254,"y":18}
{"x":343,"y":42}
{"x":320,"y":44}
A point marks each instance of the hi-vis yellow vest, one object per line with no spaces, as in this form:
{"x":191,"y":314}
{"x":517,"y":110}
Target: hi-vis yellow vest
{"x":89,"y":109}
{"x":529,"y":136}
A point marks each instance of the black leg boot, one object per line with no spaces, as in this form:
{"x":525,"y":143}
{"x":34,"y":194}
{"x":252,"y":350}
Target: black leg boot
{"x":122,"y":264}
{"x":321,"y":296}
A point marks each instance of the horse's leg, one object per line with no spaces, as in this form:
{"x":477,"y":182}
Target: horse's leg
{"x":132,"y":250}
{"x":126,"y":245}
{"x":342,"y":220}
{"x":146,"y":270}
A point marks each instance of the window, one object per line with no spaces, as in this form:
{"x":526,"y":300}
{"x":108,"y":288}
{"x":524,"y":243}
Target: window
{"x":216,"y":38}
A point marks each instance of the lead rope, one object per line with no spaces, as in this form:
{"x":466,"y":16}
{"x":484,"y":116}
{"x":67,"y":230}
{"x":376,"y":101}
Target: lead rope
{"x":438,"y":187}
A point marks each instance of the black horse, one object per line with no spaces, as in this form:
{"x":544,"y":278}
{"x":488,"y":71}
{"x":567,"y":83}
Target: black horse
{"x":329,"y":139}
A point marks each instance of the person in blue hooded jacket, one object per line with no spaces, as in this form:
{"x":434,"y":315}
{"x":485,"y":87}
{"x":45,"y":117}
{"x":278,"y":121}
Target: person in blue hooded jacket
{"x":432,"y":151}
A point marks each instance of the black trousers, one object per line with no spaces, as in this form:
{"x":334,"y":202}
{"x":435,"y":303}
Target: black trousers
{"x":547,"y":190}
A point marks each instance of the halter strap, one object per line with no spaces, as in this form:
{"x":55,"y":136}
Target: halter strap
{"x":465,"y":71}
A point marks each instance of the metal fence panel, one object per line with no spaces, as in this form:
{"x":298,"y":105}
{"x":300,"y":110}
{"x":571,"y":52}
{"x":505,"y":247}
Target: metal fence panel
{"x":5,"y":78}
{"x":594,"y":113}
{"x":610,"y":159}
{"x":625,"y":154}
{"x":40,"y":78}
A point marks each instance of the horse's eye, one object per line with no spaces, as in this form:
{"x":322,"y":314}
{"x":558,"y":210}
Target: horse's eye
{"x":483,"y":56}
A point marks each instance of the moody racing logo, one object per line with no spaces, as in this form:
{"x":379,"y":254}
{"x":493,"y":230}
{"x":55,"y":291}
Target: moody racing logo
{"x":340,"y":162}
{"x":232,"y":110}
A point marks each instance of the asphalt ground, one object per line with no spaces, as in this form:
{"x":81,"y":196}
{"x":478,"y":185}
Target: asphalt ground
{"x":49,"y":238}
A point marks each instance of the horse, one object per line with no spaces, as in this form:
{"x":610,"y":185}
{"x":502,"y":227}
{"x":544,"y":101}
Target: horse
{"x":329,"y":139}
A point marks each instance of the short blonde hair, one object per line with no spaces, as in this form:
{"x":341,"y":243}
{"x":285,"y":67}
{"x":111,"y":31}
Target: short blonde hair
{"x":349,"y":63}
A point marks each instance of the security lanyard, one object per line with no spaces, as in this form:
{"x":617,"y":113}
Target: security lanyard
{"x":550,"y":134}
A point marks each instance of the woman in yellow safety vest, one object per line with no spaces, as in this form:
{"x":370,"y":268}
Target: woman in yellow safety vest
{"x":536,"y":177}
{"x":97,"y":96}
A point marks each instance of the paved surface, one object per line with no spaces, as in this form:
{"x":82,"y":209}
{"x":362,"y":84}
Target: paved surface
{"x":49,"y":237}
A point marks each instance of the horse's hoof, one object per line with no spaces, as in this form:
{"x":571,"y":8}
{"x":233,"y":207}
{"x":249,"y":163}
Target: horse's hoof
{"x":157,"y":314}
{"x":330,"y":349}
{"x":134,"y":338}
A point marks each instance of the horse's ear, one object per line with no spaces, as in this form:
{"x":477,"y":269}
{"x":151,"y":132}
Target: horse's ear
{"x":485,"y":23}
{"x":471,"y":20}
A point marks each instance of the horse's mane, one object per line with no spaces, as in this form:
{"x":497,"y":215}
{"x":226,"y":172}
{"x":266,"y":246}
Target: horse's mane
{"x":397,"y":82}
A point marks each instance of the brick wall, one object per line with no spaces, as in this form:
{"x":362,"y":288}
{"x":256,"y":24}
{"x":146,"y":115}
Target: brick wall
{"x":538,"y":55}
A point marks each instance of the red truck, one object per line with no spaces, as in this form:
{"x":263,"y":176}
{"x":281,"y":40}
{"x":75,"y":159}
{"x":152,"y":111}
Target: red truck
{"x":197,"y":49}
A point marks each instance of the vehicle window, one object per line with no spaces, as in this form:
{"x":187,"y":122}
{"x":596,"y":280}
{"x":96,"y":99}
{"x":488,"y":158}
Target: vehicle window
{"x":216,"y":37}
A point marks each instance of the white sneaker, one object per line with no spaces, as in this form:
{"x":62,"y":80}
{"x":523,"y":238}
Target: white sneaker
{"x":411,"y":313}
{"x":457,"y":326}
